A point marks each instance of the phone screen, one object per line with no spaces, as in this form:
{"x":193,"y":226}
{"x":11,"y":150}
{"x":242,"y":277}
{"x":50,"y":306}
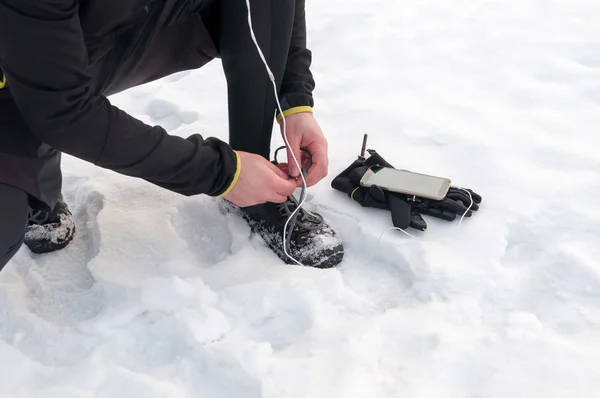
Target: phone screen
{"x":404,"y":181}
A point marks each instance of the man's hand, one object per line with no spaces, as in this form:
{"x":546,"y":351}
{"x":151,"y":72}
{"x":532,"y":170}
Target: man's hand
{"x":260,"y":181}
{"x":303,"y":131}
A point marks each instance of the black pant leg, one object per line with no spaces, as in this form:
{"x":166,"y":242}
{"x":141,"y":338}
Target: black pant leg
{"x":251,"y":96}
{"x":25,"y":162}
{"x":14,"y":208}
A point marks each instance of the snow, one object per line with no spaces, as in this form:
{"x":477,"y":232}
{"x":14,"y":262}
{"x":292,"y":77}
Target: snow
{"x":163,"y":296}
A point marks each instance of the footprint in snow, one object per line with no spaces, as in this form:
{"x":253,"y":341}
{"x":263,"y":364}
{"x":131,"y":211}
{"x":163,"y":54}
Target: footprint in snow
{"x":61,"y":288}
{"x":203,"y":227}
{"x":42,"y":342}
{"x":227,"y":371}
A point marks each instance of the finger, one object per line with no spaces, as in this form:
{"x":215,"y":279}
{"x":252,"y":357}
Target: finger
{"x":281,"y":183}
{"x":315,"y":175}
{"x":295,"y":149}
{"x":277,"y":170}
{"x":285,"y":187}
{"x":320,"y":166}
{"x":284,"y":167}
{"x":463,"y":197}
{"x":453,"y":206}
{"x":293,"y":167}
{"x":439,"y":213}
{"x":476,"y":197}
{"x":306,"y":160}
{"x":460,"y":196}
{"x":282,"y":171}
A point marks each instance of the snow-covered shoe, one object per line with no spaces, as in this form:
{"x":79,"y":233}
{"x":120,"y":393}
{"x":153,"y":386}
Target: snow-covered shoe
{"x":49,"y":232}
{"x":312,"y":241}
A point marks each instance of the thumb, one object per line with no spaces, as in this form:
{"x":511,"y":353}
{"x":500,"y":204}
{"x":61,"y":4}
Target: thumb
{"x":284,"y":185}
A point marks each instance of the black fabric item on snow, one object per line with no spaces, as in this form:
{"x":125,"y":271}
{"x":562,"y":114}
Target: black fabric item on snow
{"x":406,"y":210}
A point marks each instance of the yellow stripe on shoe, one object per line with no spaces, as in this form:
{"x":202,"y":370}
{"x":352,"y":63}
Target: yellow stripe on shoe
{"x":293,"y":111}
{"x":236,"y":176}
{"x":2,"y":82}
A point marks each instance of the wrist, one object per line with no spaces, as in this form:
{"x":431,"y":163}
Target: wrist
{"x":236,"y":175}
{"x":293,"y":111}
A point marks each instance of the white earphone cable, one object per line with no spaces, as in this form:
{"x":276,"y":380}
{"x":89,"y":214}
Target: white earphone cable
{"x":421,"y":239}
{"x":304,"y":185}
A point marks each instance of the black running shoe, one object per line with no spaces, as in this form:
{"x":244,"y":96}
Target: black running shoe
{"x":49,"y":232}
{"x":312,"y":241}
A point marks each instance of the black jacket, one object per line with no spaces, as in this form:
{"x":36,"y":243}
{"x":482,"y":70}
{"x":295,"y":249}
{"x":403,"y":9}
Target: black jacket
{"x":48,"y":53}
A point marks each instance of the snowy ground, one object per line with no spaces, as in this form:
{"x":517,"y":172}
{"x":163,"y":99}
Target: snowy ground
{"x":162,"y":296}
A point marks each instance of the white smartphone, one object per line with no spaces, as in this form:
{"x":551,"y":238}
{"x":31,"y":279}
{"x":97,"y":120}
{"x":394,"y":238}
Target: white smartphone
{"x":407,"y":182}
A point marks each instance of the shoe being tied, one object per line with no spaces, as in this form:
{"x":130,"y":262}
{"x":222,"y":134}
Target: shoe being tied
{"x":50,"y":231}
{"x":312,"y":241}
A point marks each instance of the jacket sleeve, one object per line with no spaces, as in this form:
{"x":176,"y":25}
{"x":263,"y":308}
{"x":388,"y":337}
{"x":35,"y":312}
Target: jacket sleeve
{"x":43,"y":56}
{"x":298,"y":82}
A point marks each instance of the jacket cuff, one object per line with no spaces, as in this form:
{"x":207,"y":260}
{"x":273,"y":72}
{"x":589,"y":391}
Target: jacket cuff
{"x":295,"y":103}
{"x":293,"y":111}
{"x":236,"y":176}
{"x":292,"y":100}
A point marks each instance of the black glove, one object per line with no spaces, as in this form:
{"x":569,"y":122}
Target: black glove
{"x":406,"y":210}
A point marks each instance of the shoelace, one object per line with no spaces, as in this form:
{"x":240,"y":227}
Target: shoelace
{"x":303,"y":219}
{"x":38,"y":217}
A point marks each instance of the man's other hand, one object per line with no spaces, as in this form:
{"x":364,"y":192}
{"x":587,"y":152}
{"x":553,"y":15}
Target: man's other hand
{"x":303,"y":131}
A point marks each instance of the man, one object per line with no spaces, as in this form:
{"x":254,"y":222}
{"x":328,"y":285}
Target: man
{"x":61,"y":58}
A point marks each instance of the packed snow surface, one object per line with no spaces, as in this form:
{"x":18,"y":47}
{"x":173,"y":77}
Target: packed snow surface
{"x":163,"y":296}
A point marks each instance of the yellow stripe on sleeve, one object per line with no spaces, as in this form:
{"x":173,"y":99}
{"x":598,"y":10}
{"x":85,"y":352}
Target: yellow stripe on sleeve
{"x":236,"y":176}
{"x":293,"y":111}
